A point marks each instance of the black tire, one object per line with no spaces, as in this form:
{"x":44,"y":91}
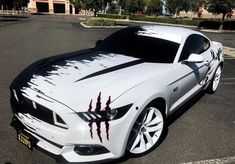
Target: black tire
{"x":141,"y":128}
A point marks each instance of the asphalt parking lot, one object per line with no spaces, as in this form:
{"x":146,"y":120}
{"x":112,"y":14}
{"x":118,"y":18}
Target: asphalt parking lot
{"x":203,"y":131}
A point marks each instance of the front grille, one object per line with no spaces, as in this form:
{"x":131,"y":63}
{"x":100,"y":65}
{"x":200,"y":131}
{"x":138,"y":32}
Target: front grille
{"x":21,"y":104}
{"x":25,"y":105}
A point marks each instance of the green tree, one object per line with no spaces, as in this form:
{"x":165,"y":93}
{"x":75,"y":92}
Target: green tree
{"x":105,"y":4}
{"x":93,"y":5}
{"x":220,"y":7}
{"x":134,"y":6}
{"x":175,"y":6}
{"x":194,"y":5}
{"x":16,"y":4}
{"x":153,"y":7}
{"x":122,"y":5}
{"x":77,"y":4}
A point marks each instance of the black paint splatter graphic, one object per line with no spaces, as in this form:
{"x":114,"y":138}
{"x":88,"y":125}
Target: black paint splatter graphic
{"x":209,"y":69}
{"x":98,"y":111}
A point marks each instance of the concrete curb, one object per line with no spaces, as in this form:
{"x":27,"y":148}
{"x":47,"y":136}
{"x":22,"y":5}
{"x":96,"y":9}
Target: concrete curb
{"x":86,"y":26}
{"x":217,"y":31}
{"x":180,"y":25}
{"x":147,"y":22}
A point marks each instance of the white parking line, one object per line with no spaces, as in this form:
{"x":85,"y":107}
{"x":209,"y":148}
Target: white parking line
{"x":225,"y":160}
{"x":228,"y":80}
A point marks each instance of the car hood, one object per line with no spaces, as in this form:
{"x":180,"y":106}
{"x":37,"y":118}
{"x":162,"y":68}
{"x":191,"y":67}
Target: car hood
{"x":79,"y":80}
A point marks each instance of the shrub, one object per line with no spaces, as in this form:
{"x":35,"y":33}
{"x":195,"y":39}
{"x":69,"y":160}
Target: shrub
{"x":209,"y":24}
{"x":229,"y":25}
{"x":165,"y":20}
{"x":113,"y":16}
{"x":215,"y":24}
{"x":101,"y":22}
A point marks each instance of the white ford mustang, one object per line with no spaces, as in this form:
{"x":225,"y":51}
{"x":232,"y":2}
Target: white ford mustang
{"x":116,"y":97}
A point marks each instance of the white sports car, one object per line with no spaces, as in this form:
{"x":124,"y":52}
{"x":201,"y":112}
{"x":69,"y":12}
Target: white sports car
{"x":114,"y":98}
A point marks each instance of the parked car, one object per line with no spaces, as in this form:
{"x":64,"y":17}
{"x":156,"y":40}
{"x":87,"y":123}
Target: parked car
{"x":115,"y":98}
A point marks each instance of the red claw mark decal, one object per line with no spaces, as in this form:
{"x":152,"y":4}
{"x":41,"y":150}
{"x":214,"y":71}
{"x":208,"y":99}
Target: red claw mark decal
{"x":106,"y":122}
{"x":107,"y":129}
{"x":90,"y":125}
{"x":102,"y":113}
{"x":98,"y":131}
{"x":90,"y":106}
{"x":108,"y":103}
{"x":98,"y":103}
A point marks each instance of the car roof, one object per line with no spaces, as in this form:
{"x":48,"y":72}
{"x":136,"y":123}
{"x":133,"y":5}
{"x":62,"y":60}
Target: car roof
{"x":175,"y":34}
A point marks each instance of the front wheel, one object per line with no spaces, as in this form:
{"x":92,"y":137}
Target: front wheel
{"x":148,"y":131}
{"x":215,"y":81}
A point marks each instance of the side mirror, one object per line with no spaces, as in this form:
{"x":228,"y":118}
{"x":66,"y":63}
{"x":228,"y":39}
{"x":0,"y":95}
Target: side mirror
{"x":98,"y":42}
{"x":195,"y":58}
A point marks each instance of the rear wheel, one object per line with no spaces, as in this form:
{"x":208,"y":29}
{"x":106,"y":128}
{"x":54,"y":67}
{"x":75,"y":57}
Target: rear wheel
{"x":215,"y":81}
{"x":147,"y":132}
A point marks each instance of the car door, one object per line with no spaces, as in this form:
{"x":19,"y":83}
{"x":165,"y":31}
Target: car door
{"x":192,"y":75}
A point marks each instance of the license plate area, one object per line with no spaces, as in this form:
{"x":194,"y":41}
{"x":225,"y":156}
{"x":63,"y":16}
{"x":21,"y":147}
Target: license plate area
{"x":25,"y":139}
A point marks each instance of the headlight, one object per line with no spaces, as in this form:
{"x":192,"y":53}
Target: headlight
{"x":105,"y":115}
{"x":111,"y":114}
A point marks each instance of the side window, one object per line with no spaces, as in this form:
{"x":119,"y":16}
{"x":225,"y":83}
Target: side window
{"x":194,"y":44}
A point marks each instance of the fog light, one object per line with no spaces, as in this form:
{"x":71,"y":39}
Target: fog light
{"x":90,"y":149}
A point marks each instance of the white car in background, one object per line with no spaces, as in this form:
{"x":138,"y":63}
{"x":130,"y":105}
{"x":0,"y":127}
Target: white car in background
{"x":116,"y":97}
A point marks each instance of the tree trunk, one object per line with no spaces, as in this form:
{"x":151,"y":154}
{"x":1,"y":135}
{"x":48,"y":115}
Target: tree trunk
{"x":106,"y":7}
{"x":176,"y":11}
{"x":95,"y":13}
{"x":222,"y":22}
{"x":120,"y":10}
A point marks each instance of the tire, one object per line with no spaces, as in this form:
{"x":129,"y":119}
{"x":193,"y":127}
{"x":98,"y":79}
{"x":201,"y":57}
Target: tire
{"x":215,"y":81}
{"x":148,"y":132}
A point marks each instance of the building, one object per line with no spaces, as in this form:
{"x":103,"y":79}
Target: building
{"x":51,"y":6}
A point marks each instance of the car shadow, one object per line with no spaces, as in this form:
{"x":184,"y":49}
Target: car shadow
{"x":185,"y":107}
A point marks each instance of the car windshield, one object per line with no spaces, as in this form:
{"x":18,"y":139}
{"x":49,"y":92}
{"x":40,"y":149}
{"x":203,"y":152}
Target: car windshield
{"x":134,"y":42}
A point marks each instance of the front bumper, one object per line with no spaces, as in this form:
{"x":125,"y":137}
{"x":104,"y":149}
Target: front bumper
{"x":63,"y":142}
{"x":20,"y":127}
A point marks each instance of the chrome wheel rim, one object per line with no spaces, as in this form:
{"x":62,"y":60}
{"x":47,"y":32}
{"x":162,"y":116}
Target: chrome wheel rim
{"x":149,"y":131}
{"x":216,"y":79}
